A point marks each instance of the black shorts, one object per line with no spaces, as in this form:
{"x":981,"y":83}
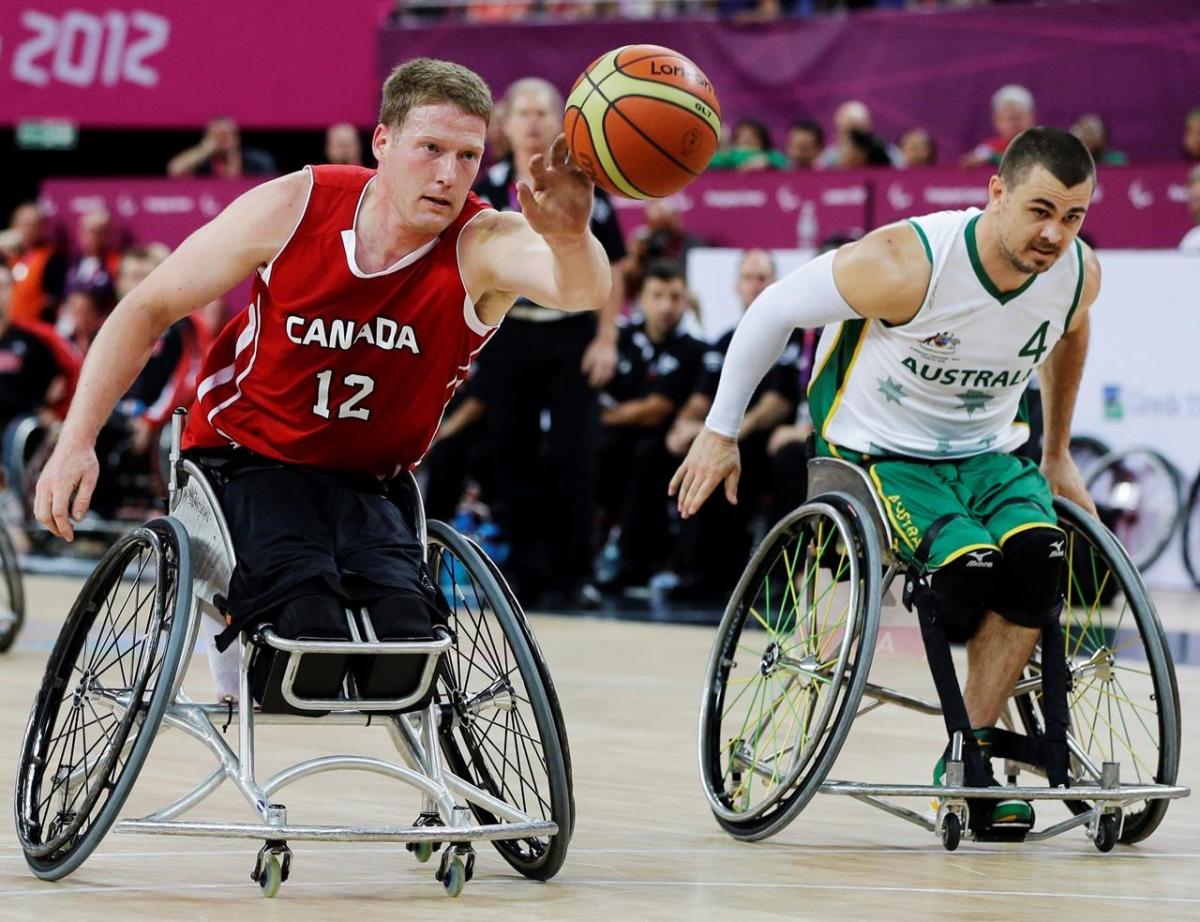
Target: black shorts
{"x":298,"y":531}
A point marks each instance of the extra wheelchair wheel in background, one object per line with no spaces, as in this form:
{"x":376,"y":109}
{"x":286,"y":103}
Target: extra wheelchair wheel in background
{"x":503,"y":729}
{"x":789,"y":664}
{"x":107,"y":682}
{"x":12,"y":592}
{"x":1137,"y":494}
{"x":1086,"y":451}
{"x":1123,"y":697}
{"x":1191,"y":532}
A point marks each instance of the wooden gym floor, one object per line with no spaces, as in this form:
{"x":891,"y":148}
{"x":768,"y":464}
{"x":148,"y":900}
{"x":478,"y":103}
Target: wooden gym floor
{"x":645,"y":845}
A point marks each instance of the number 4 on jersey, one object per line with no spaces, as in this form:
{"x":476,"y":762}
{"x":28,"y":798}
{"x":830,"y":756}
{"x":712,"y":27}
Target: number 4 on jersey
{"x":349,"y":408}
{"x":1037,"y":343}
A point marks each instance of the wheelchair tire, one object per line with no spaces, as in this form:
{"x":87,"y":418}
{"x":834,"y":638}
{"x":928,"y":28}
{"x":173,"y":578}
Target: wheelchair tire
{"x":1191,"y":532}
{"x":99,"y":645}
{"x":547,"y":681}
{"x":12,"y":591}
{"x":832,"y":534}
{"x":1124,"y":699}
{"x":495,"y":658}
{"x":1118,"y":483}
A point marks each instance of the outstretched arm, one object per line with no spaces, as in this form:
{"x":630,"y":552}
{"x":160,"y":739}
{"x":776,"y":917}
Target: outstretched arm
{"x":546,"y":253}
{"x":247,"y":234}
{"x":885,"y":275}
{"x":1060,"y":377}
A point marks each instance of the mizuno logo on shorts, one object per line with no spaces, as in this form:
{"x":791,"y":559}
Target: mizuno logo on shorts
{"x":1056,"y":548}
{"x":979,"y":559}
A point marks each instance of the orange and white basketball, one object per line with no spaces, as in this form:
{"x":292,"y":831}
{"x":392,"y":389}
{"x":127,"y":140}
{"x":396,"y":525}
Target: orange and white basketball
{"x":642,"y":121}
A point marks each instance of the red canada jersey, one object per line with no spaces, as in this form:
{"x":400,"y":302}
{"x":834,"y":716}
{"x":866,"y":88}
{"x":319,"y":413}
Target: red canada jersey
{"x":335,"y":368}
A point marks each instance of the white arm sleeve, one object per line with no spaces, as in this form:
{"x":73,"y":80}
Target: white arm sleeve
{"x":806,"y":298}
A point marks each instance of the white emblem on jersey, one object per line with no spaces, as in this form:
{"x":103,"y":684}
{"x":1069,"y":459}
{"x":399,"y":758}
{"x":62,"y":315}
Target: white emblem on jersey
{"x":344,"y":334}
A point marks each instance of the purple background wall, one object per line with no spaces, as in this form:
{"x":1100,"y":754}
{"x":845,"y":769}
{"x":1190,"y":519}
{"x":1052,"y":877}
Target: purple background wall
{"x":1136,"y":63}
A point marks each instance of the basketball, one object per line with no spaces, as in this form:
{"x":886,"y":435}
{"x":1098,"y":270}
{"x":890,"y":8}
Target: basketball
{"x":642,"y":121}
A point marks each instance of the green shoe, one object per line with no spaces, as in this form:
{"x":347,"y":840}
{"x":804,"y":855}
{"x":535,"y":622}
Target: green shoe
{"x":1008,"y":813}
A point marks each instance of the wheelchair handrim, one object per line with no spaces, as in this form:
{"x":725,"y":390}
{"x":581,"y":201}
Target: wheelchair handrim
{"x":737,"y":616}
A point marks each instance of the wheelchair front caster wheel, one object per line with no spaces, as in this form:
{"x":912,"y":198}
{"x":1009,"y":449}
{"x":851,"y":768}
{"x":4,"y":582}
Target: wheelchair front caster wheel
{"x":1106,"y":833}
{"x":271,"y":878}
{"x":952,"y":832}
{"x":454,"y":877}
{"x":423,"y":851}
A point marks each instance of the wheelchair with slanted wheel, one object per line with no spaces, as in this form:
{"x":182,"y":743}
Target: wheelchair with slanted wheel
{"x":479,"y":731}
{"x":1096,"y":711}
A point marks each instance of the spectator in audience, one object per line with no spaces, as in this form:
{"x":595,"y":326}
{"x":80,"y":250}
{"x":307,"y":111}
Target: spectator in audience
{"x":36,"y":370}
{"x":343,"y":145}
{"x":714,"y":544}
{"x":917,"y":148}
{"x":221,"y":153}
{"x":804,"y":143}
{"x":1093,"y":132}
{"x":1191,"y":241}
{"x":97,"y":254}
{"x":136,"y":263}
{"x":656,"y":370}
{"x":547,"y":360}
{"x":661,"y":237}
{"x":38,"y":267}
{"x":855,"y":146}
{"x":1012,"y":113}
{"x":749,"y":149}
{"x":1191,"y":136}
{"x":86,"y":306}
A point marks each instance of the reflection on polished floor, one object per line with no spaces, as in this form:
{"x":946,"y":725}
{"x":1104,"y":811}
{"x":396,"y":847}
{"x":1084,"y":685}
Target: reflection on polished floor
{"x":645,"y":845}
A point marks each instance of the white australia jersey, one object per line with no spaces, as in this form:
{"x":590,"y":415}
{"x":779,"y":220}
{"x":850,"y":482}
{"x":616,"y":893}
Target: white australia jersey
{"x":948,"y":383}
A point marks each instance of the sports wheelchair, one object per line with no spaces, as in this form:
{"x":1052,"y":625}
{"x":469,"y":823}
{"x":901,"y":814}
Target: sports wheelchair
{"x":12,"y":591}
{"x":487,"y":754}
{"x":792,"y":659}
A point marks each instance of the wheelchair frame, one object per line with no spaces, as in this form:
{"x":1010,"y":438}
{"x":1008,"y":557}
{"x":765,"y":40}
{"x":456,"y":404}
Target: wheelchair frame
{"x":446,"y":814}
{"x":835,"y":480}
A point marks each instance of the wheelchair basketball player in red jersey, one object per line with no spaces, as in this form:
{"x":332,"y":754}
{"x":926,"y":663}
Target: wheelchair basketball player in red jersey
{"x":372,"y":292}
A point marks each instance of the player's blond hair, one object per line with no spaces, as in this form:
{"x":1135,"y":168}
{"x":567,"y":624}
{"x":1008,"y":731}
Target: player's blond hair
{"x":423,"y":81}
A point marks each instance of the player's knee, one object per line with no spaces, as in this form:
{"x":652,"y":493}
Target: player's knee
{"x":1029,"y":588}
{"x":403,"y":616}
{"x":313,"y":617}
{"x":958,"y":592}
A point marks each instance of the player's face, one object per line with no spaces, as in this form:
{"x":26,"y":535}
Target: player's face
{"x":663,"y":303}
{"x":428,"y":164}
{"x":1039,"y":218}
{"x":754,"y":275}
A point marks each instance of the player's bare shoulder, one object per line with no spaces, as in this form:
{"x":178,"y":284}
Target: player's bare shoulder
{"x":1091,"y":275}
{"x":885,"y":275}
{"x":261,"y":220}
{"x":484,"y":243}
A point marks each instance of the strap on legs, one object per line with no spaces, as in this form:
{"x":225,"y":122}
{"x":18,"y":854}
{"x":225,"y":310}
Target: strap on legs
{"x":1055,"y":711}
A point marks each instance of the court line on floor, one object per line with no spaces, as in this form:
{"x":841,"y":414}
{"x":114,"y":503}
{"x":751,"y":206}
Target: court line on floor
{"x":14,"y":853}
{"x":180,"y":886}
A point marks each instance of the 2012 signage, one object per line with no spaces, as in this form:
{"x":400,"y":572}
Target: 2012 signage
{"x":85,"y":49}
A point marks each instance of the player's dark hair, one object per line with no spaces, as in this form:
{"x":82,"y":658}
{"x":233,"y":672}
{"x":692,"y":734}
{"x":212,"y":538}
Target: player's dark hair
{"x":1063,"y":155}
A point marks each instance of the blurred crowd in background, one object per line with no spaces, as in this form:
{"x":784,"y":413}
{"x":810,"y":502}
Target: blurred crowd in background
{"x":558,"y":451}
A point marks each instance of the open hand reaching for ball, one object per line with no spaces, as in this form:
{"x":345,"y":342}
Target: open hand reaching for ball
{"x":559,"y":203}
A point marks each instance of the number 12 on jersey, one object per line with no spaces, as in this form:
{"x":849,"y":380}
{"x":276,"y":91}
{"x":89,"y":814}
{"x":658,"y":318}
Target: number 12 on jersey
{"x":348,"y":408}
